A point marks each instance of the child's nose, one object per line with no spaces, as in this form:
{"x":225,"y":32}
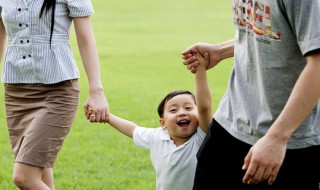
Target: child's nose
{"x":181,"y":112}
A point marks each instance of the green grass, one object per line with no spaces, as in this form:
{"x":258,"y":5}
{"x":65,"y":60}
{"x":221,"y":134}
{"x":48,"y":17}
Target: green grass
{"x":139,"y":44}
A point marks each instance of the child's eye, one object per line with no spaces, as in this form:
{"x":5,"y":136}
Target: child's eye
{"x":172,"y":110}
{"x":189,"y":108}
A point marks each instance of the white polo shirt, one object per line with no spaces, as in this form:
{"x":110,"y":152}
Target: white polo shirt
{"x":175,"y":166}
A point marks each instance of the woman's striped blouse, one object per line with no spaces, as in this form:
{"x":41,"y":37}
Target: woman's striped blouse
{"x":29,"y":57}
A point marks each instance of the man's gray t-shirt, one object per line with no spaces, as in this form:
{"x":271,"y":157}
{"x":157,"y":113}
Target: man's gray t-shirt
{"x":271,"y":40}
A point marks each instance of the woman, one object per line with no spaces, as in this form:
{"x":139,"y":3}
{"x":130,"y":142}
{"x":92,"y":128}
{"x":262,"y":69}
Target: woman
{"x":40,"y":76}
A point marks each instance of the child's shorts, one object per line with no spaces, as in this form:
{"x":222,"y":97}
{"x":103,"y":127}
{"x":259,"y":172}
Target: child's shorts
{"x":39,"y":117}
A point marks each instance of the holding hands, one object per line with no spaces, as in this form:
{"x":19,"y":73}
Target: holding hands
{"x":216,"y":53}
{"x":202,"y":61}
{"x":96,"y":108}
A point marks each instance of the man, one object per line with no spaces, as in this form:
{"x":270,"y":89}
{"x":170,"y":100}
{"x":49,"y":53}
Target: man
{"x":266,"y":131}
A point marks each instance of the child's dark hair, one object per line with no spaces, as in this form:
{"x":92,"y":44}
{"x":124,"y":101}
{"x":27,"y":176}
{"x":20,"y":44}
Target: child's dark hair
{"x":169,"y":97}
{"x":46,"y":6}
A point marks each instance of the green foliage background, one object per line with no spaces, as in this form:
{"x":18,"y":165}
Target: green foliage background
{"x":139,"y":44}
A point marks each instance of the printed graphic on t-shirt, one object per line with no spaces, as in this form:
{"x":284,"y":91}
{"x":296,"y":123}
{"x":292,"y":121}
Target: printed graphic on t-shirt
{"x":254,"y":18}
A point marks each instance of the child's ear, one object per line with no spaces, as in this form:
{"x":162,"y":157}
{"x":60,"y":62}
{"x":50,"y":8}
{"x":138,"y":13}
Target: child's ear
{"x":162,"y":123}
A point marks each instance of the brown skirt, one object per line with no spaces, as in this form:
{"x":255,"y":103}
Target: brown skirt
{"x":39,"y":118}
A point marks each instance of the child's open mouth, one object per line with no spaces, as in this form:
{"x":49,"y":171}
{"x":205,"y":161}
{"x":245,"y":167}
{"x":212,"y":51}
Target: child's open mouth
{"x":183,"y":123}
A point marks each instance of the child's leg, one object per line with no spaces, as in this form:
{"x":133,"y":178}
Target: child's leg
{"x":28,"y":177}
{"x":47,"y":177}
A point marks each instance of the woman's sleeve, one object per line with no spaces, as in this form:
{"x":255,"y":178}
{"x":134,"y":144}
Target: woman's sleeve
{"x":80,"y":8}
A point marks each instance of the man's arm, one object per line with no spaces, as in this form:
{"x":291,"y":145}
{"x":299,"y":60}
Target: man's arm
{"x":266,"y":156}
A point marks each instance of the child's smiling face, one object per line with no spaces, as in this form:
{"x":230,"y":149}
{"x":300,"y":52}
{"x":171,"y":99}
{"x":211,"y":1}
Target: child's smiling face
{"x":180,"y":117}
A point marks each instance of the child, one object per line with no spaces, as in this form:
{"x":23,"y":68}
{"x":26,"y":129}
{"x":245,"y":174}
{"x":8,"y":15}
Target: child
{"x":174,"y":145}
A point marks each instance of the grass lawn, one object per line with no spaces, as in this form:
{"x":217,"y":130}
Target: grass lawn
{"x":139,"y":45}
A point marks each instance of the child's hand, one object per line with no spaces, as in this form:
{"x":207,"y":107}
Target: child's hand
{"x":90,"y":116}
{"x":203,"y":61}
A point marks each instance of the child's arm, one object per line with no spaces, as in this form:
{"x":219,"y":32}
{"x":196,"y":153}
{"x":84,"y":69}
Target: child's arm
{"x":124,"y":126}
{"x":203,"y":95}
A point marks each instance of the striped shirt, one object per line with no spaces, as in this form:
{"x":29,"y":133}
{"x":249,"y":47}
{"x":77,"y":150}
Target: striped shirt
{"x":29,"y":57}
